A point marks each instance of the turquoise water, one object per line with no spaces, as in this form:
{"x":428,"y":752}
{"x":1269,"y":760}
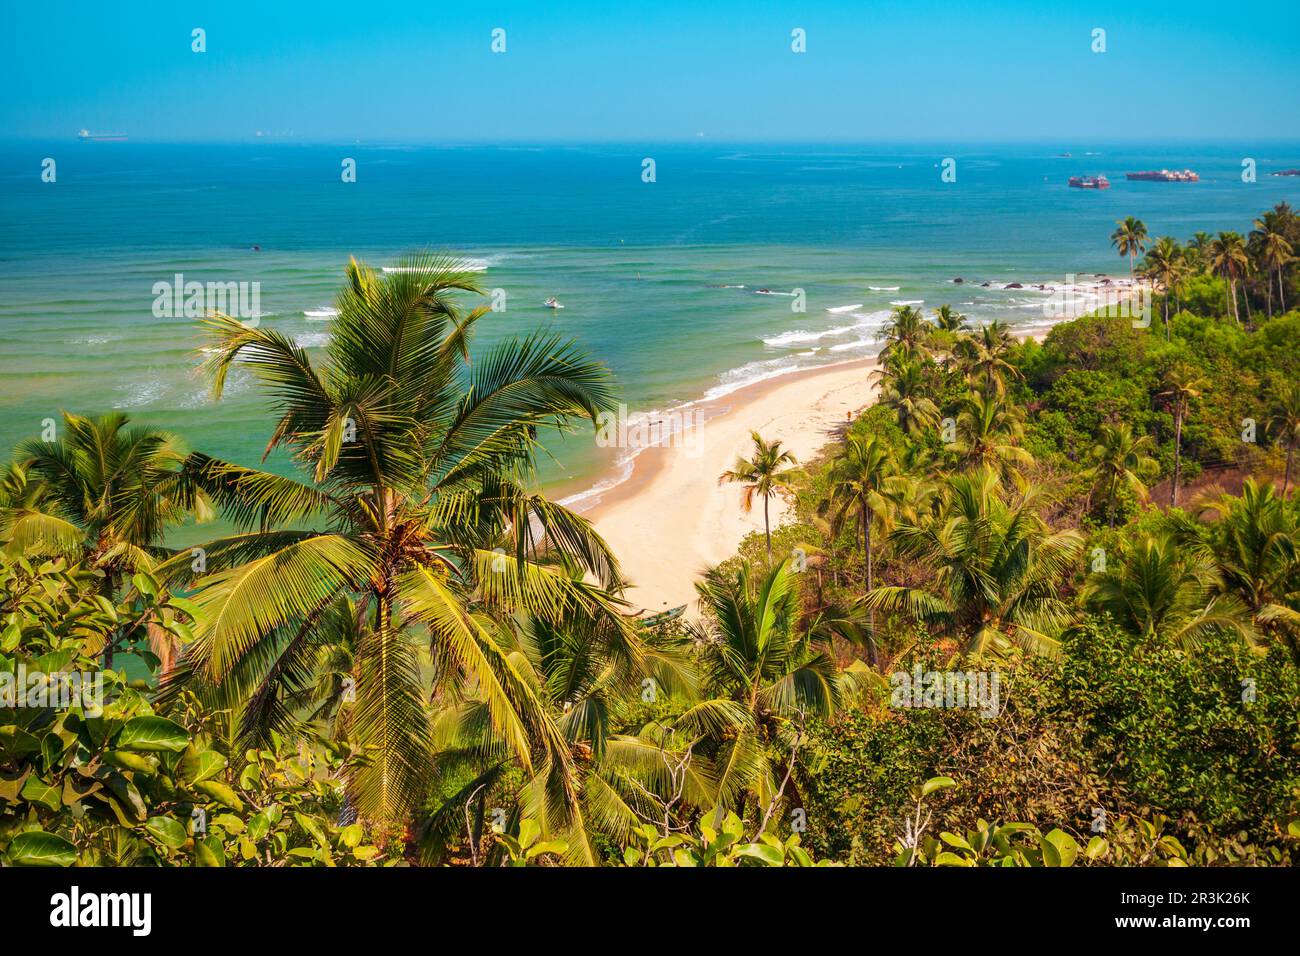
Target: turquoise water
{"x":642,"y":268}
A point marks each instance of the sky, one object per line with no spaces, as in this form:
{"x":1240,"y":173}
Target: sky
{"x":656,"y":70}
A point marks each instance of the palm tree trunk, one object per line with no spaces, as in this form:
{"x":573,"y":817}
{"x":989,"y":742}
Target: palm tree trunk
{"x":1281,"y":290}
{"x":1178,"y":447}
{"x":866,"y":538}
{"x":767,"y":529}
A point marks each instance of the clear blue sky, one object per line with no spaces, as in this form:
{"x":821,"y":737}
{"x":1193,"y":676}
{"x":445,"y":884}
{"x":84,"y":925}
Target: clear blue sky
{"x":377,"y":70}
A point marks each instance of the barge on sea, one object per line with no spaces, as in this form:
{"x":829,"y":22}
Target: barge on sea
{"x":1089,"y":182}
{"x":1164,"y":176}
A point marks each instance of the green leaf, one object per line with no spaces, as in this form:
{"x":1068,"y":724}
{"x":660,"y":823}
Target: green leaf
{"x":150,"y":734}
{"x":935,"y":784}
{"x":125,"y":760}
{"x":767,"y":855}
{"x":314,"y":829}
{"x":220,"y":792}
{"x":145,"y":584}
{"x":38,"y":848}
{"x":1097,"y":847}
{"x":529,"y":831}
{"x":201,"y":765}
{"x":10,"y":637}
{"x":209,"y":852}
{"x":37,"y":791}
{"x":1059,"y":849}
{"x":166,"y":831}
{"x":952,"y":859}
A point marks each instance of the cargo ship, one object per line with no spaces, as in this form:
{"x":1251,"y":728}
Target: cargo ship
{"x":1089,"y":182}
{"x":1164,"y":176}
{"x":1287,"y":172}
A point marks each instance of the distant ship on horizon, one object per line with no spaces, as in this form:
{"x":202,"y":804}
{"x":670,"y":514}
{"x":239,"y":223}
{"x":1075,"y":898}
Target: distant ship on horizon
{"x":1089,"y":182}
{"x":87,"y":136}
{"x":1165,"y":176}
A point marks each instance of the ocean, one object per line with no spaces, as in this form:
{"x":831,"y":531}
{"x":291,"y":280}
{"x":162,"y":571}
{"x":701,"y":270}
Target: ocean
{"x":661,"y":280}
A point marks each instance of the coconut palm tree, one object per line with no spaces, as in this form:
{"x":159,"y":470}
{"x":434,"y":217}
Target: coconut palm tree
{"x":1130,"y":238}
{"x":417,"y":509}
{"x":1121,"y":459}
{"x":862,"y":479}
{"x":1164,"y":266}
{"x":949,"y":320}
{"x":590,"y":678}
{"x":1197,"y":251}
{"x":1159,"y":591}
{"x":104,"y":489}
{"x":998,"y":568}
{"x":1254,"y":547}
{"x":1181,"y":385}
{"x":982,"y":358}
{"x":989,"y":430}
{"x":1226,"y":257}
{"x":907,"y":335}
{"x":1285,"y":426}
{"x":756,"y":659}
{"x":1274,"y":251}
{"x":767,"y":472}
{"x":902,"y":389}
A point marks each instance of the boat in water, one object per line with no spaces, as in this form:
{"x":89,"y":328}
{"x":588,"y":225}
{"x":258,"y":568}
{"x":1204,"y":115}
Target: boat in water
{"x":87,"y":136}
{"x":1089,"y":182}
{"x":553,"y":303}
{"x":1164,"y":176}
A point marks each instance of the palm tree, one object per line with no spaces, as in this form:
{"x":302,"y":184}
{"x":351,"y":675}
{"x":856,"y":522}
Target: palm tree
{"x":862,"y":477}
{"x":906,"y":336}
{"x":416,"y":510}
{"x":903,"y":389}
{"x":1274,"y":251}
{"x":1161,"y":592}
{"x":1197,"y":251}
{"x":104,"y":490}
{"x":1121,"y":459}
{"x":1164,"y":266}
{"x":949,"y":320}
{"x":1285,"y":424}
{"x":1130,"y":239}
{"x":1226,"y":257}
{"x":988,"y":432}
{"x":1181,"y":385}
{"x":766,"y":675}
{"x":589,"y":678}
{"x":764,"y":474}
{"x":999,"y":569}
{"x":982,"y":358}
{"x":1254,"y":547}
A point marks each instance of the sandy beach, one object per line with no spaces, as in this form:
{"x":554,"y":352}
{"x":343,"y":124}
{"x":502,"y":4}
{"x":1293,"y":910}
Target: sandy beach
{"x":671,"y":519}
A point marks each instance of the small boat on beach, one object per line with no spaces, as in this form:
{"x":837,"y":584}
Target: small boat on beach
{"x":663,"y":617}
{"x":553,"y":303}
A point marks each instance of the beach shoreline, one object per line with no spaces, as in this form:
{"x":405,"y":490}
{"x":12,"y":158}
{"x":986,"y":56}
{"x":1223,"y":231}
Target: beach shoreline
{"x":670,"y":519}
